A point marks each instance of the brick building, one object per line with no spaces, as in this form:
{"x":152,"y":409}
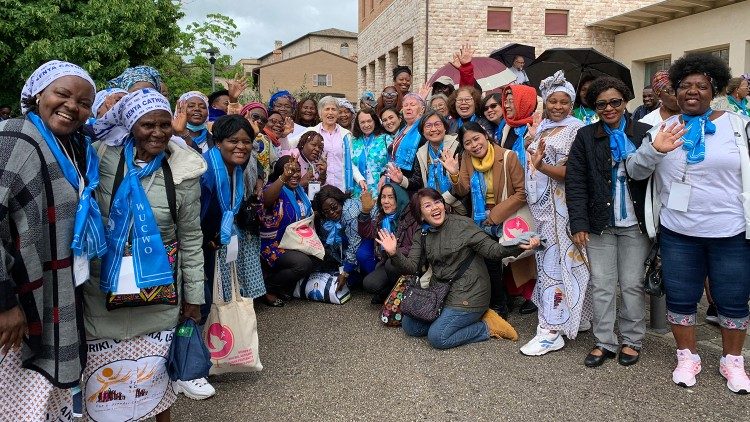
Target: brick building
{"x":423,"y":34}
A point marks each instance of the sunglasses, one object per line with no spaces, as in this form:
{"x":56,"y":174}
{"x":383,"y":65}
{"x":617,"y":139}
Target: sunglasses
{"x":614,"y":102}
{"x":492,"y":106}
{"x":390,"y":94}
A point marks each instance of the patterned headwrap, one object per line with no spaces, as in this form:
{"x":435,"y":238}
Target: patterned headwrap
{"x":252,"y":106}
{"x":659,"y":81}
{"x":47,"y":73}
{"x":369,"y":98}
{"x":193,"y":94}
{"x":116,"y":123}
{"x":557,"y":83}
{"x":102,"y":96}
{"x":133,"y":75}
{"x":343,"y":102}
{"x":282,"y":94}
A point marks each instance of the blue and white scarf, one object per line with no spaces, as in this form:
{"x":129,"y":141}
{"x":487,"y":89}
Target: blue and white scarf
{"x":200,"y":139}
{"x":333,"y":228}
{"x":130,"y":205}
{"x":695,"y":138}
{"x":218,"y":177}
{"x":293,"y":195}
{"x":389,"y":222}
{"x":88,"y":230}
{"x":519,"y":146}
{"x":460,"y":120}
{"x":437,"y":177}
{"x":478,"y":194}
{"x":362,"y":159}
{"x":407,"y":149}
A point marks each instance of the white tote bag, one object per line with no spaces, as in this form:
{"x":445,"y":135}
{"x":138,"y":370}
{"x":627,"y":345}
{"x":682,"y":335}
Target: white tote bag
{"x":300,"y":236}
{"x":518,"y":223}
{"x":231,"y":331}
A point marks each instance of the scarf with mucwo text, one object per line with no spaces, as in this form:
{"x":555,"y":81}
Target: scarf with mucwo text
{"x":695,"y":136}
{"x":437,"y":177}
{"x":741,"y":106}
{"x":407,"y":149}
{"x":130,"y":206}
{"x":88,"y":230}
{"x":479,"y":185}
{"x":217,"y":177}
{"x":292,"y":196}
{"x":334,"y":232}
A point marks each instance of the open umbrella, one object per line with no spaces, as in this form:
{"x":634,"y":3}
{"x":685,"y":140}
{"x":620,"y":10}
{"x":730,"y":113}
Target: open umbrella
{"x":489,"y":73}
{"x":576,"y":63}
{"x":508,"y":53}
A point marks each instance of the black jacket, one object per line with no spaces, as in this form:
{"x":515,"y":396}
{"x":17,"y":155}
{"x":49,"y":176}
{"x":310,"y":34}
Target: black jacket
{"x":588,"y":180}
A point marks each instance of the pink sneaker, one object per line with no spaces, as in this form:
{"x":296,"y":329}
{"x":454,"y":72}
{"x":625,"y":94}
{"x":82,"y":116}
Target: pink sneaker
{"x":687,"y":369}
{"x":733,"y":369}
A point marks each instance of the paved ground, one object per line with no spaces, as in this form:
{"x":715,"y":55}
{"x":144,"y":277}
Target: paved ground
{"x":339,"y":363}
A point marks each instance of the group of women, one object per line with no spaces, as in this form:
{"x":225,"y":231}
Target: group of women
{"x":121,"y":213}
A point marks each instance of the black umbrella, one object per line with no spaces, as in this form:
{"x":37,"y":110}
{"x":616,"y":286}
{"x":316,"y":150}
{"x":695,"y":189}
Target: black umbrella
{"x":508,"y":53}
{"x":576,"y":63}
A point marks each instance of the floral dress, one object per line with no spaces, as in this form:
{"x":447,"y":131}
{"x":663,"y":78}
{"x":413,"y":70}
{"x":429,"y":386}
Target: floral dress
{"x":563,"y":274}
{"x":369,"y":158}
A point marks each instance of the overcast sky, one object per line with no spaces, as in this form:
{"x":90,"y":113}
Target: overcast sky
{"x":262,"y":22}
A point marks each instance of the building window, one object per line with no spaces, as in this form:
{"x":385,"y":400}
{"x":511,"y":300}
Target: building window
{"x":650,"y":68}
{"x":555,"y":22}
{"x":344,"y":49}
{"x":499,"y":19}
{"x":322,"y":80}
{"x":722,"y":53}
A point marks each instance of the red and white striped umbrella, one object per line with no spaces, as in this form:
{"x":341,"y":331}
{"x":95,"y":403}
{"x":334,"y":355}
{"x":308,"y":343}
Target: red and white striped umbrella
{"x":489,"y":73}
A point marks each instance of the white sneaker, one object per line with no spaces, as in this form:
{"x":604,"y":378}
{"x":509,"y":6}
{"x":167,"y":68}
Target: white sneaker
{"x":198,"y":389}
{"x":543,"y":343}
{"x":733,"y":369}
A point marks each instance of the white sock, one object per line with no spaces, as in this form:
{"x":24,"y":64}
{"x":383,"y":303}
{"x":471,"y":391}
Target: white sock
{"x":695,"y":356}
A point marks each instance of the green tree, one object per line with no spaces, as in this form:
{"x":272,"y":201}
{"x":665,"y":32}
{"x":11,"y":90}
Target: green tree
{"x":103,"y":36}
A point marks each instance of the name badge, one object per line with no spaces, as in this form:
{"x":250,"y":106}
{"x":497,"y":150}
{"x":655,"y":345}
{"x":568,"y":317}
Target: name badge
{"x":679,"y":196}
{"x":126,"y":282}
{"x":531,"y":194}
{"x":232,"y":249}
{"x":312,"y":189}
{"x":80,"y":269}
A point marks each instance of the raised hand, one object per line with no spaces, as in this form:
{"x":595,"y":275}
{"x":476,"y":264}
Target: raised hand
{"x":236,"y":87}
{"x":179,"y":122}
{"x":290,"y":168}
{"x":253,"y":123}
{"x":465,"y":54}
{"x":288,"y":127}
{"x":395,"y":174}
{"x":449,"y":162}
{"x":368,"y":202}
{"x":532,"y":128}
{"x":537,"y":155}
{"x":363,"y":185}
{"x":668,"y":138}
{"x":387,"y":241}
{"x":425,"y":91}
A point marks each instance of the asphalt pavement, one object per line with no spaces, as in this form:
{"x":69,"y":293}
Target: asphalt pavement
{"x":339,"y":363}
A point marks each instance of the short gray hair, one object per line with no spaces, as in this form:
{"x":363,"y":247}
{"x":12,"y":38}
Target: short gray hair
{"x":325,"y":101}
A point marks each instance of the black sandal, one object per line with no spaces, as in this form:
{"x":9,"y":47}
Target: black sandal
{"x":278,"y":303}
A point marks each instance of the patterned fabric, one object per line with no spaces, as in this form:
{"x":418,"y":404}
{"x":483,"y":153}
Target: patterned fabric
{"x":127,"y":380}
{"x":585,"y":114}
{"x":248,"y":269}
{"x":375,"y":154}
{"x":38,"y":205}
{"x":273,"y":224}
{"x":352,"y":239}
{"x":28,"y":396}
{"x":133,"y":75}
{"x":563,"y":276}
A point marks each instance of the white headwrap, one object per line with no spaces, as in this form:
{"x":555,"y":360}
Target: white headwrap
{"x":197,"y":94}
{"x":101,"y":97}
{"x":47,"y":73}
{"x":116,"y":123}
{"x":557,"y":83}
{"x":344,"y":103}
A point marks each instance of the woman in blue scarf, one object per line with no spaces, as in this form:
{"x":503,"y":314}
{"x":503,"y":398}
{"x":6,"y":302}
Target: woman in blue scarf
{"x":369,"y":151}
{"x":389,"y":212}
{"x":464,"y":105}
{"x":192,"y":116}
{"x":336,"y":223}
{"x":606,"y":209}
{"x":492,"y":105}
{"x":402,"y":153}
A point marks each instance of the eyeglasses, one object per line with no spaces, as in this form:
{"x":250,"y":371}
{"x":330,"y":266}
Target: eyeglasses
{"x":491,"y":106}
{"x":435,"y":125}
{"x":668,"y":91}
{"x":464,"y":100}
{"x":614,"y":102}
{"x":390,"y":94}
{"x":274,"y":122}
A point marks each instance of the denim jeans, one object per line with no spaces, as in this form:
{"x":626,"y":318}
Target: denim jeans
{"x":687,"y":260}
{"x":617,"y":257}
{"x":454,"y":327}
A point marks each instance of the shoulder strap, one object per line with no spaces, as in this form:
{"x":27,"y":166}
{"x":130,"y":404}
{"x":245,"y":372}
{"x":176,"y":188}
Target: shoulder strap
{"x":505,"y":175}
{"x":168,"y":184}
{"x":423,"y":253}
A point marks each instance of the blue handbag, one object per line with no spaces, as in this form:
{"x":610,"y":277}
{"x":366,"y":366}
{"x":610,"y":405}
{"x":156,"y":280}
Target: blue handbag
{"x":188,"y":358}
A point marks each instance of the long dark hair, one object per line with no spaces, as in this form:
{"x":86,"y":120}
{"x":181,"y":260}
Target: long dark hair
{"x":357,"y":130}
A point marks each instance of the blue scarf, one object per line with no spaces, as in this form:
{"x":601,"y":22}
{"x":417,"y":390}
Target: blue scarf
{"x":215,"y":113}
{"x":389,"y":222}
{"x":460,"y":120}
{"x":587,"y":114}
{"x":88,"y":230}
{"x":130,"y":204}
{"x":362,"y":160}
{"x":218,"y":177}
{"x":695,"y":138}
{"x":519,"y":146}
{"x":499,"y":130}
{"x":437,"y":177}
{"x":407,"y":149}
{"x":741,"y":105}
{"x":200,"y":139}
{"x":348,"y":165}
{"x":619,"y":143}
{"x":292,"y":196}
{"x":334,"y":232}
{"x":478,"y":194}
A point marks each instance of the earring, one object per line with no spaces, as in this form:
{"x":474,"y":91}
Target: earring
{"x":37,"y":101}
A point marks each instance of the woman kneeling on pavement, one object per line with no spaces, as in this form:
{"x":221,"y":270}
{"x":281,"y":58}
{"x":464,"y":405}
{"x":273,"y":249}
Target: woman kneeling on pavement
{"x":450,"y":240}
{"x":697,"y":161}
{"x":152,"y":273}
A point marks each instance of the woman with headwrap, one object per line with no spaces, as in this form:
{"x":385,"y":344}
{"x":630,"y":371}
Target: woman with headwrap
{"x":152,"y":273}
{"x":403,"y":166}
{"x":138,"y":77}
{"x":285,"y":104}
{"x":563,"y":277}
{"x":193,"y":108}
{"x":582,"y":110}
{"x":666,"y":95}
{"x":105,"y":100}
{"x":519,"y":104}
{"x":390,"y":212}
{"x":50,"y":229}
{"x":346,"y":113}
{"x":606,"y":209}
